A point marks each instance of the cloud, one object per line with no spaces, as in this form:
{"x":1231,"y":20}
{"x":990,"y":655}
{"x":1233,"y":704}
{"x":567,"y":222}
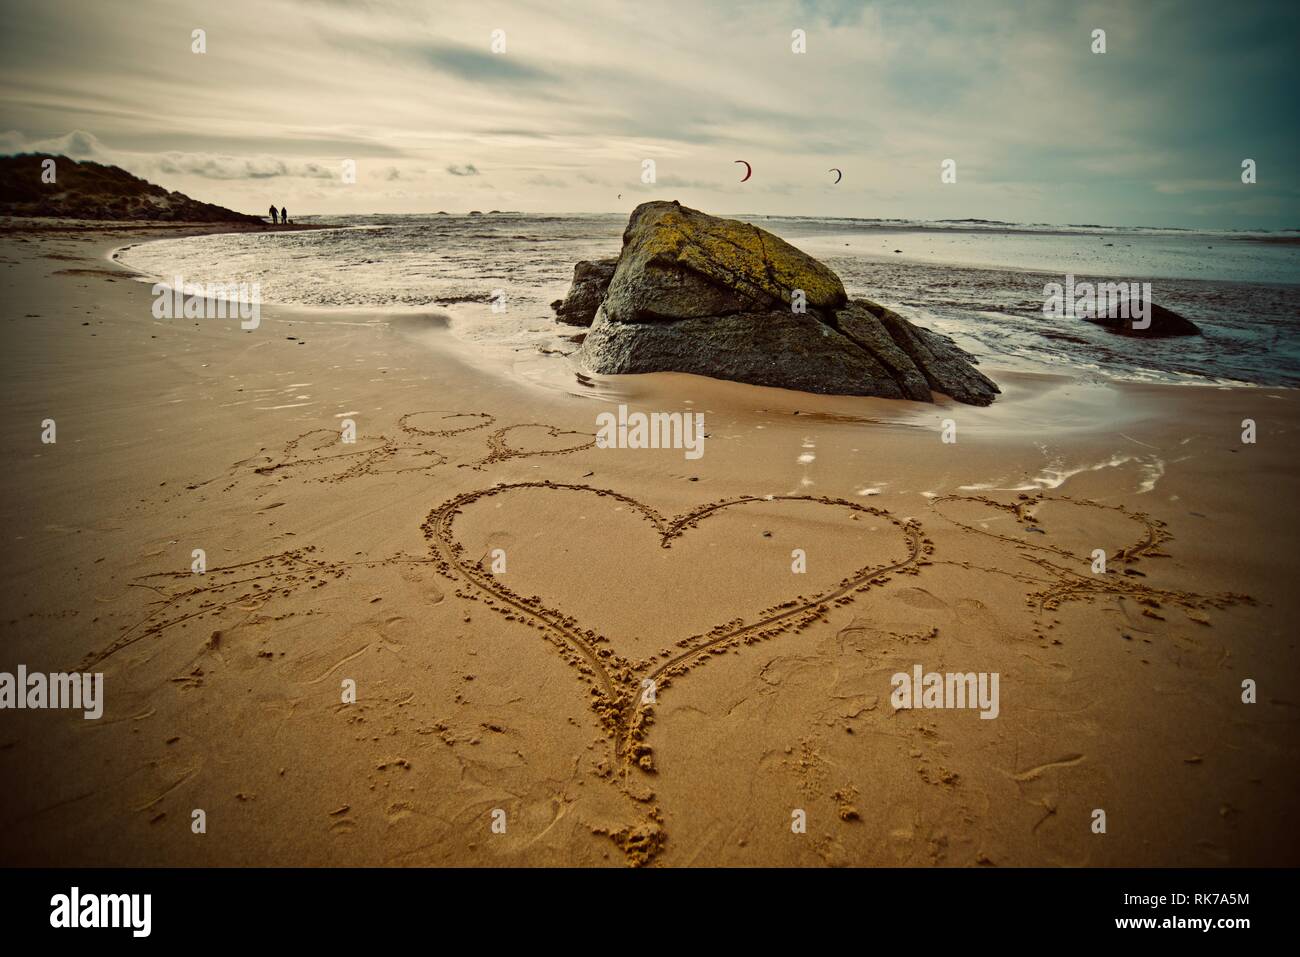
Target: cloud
{"x":1177,"y":187}
{"x":835,"y":12}
{"x":1042,"y":129}
{"x":451,"y":59}
{"x":673,"y":181}
{"x":470,"y":64}
{"x":215,"y":166}
{"x":78,"y":145}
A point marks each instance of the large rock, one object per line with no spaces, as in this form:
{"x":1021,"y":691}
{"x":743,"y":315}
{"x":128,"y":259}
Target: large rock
{"x":859,"y":322}
{"x":716,"y":297}
{"x":944,"y":366}
{"x":1164,"y":322}
{"x":678,"y":263}
{"x":778,"y":348}
{"x":590,"y":280}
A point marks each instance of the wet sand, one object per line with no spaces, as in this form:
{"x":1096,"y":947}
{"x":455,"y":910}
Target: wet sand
{"x":524,"y":691}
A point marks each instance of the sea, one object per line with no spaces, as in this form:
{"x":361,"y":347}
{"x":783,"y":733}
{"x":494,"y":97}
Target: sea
{"x":982,"y":283}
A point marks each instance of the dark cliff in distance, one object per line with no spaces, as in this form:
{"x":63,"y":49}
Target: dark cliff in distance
{"x":86,"y":190}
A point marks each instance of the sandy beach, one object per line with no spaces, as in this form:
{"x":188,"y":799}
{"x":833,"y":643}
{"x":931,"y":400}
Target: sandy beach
{"x":480,"y":691}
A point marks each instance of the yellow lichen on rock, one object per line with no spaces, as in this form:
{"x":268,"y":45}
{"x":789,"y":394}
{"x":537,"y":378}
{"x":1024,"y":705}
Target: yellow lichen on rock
{"x":751,"y":261}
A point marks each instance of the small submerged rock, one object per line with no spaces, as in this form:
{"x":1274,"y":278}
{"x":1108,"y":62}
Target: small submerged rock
{"x":1163,"y":322}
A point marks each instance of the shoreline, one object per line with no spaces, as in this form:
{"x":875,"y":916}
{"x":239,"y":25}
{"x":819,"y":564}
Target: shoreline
{"x":18,"y":225}
{"x":459,"y":308}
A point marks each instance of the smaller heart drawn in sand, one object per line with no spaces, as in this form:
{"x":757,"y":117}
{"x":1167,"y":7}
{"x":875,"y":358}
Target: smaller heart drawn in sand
{"x":1039,"y":523}
{"x":500,"y":448}
{"x":451,"y":423}
{"x":1081,"y":558}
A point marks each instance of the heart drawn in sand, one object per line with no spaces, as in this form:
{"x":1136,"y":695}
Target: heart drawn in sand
{"x":321,"y":446}
{"x":619,"y":682}
{"x":451,"y":423}
{"x":1063,"y":536}
{"x":500,"y":449}
{"x":385,"y":455}
{"x":1072,"y":539}
{"x":369,"y":455}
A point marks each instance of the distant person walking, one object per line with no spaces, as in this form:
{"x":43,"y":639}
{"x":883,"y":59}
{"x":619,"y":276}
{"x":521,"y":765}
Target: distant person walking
{"x":284,"y":216}
{"x":273,"y":216}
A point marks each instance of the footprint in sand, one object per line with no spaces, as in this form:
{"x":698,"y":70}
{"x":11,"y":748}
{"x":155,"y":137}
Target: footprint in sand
{"x":918,"y":598}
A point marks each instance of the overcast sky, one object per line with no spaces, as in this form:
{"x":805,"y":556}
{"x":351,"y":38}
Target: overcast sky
{"x":1152,"y":132}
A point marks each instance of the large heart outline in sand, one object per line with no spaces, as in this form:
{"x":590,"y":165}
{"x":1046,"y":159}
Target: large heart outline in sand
{"x":619,"y":698}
